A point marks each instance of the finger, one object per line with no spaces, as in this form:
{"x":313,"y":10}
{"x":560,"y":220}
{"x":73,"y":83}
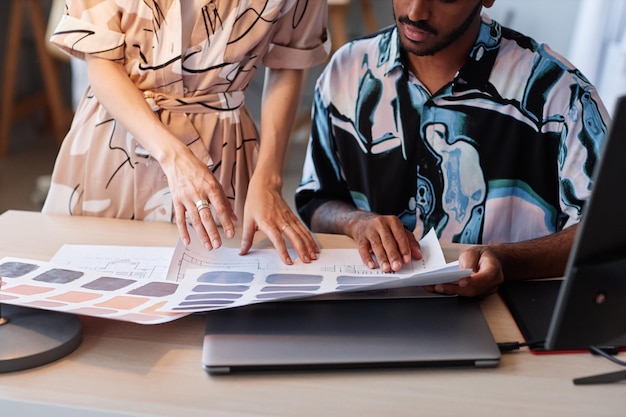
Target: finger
{"x":307,"y":238}
{"x":209,"y":225}
{"x":197,"y":223}
{"x":468,"y":259}
{"x":301,"y":240}
{"x":405,"y":243}
{"x":469,"y":288}
{"x":247,"y":236}
{"x":181,"y":224}
{"x":276,"y":237}
{"x":292,"y":233}
{"x":392,"y":249}
{"x":380,"y":253}
{"x":222,"y":208}
{"x":416,"y":250}
{"x":365,"y":251}
{"x":447,"y":289}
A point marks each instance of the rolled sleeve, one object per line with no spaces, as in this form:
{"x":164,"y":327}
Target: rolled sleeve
{"x":79,"y":38}
{"x":300,"y":37}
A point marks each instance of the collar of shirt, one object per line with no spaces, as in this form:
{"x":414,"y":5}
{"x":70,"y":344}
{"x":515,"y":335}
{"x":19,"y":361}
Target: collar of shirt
{"x":475,"y":72}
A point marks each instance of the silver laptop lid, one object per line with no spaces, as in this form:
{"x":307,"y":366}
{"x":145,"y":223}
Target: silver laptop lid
{"x":307,"y":335}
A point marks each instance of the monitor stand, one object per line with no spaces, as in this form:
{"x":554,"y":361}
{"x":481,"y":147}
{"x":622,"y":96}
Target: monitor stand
{"x":31,"y":337}
{"x":607,"y":378}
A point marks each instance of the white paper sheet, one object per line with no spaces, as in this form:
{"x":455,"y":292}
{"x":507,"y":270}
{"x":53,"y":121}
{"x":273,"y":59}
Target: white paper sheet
{"x":141,"y":262}
{"x":222,"y":278}
{"x":128,"y":283}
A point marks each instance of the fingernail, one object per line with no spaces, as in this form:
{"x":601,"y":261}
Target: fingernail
{"x":216,"y":243}
{"x":371,"y":265}
{"x":230,"y":233}
{"x":396,"y":265}
{"x":207,"y":246}
{"x":313,"y":255}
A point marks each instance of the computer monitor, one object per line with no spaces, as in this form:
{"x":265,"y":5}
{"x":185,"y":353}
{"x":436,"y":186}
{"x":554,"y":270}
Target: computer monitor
{"x":591,"y":304}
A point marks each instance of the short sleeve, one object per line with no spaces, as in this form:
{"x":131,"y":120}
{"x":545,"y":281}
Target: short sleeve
{"x":587,"y":123}
{"x":90,"y":27}
{"x":300,"y":38}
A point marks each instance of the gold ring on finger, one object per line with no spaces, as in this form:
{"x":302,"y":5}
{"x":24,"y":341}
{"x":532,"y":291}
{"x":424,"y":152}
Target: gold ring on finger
{"x":286,"y":225}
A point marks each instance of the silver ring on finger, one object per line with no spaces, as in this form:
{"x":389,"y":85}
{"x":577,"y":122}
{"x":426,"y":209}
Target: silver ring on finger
{"x":202,"y":204}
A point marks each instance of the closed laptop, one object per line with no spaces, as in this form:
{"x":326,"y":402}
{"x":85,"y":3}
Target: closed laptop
{"x":364,"y":333}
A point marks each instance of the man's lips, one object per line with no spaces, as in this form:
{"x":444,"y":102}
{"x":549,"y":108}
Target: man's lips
{"x":415,"y":34}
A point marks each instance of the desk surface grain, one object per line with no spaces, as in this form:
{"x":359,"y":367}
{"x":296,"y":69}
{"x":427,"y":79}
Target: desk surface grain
{"x":129,"y":369}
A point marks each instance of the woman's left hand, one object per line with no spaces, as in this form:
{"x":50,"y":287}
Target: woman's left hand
{"x":266,"y":210}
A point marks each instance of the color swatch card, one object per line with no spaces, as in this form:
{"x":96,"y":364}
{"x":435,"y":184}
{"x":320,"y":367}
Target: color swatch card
{"x":116,"y":294}
{"x":222,"y":278}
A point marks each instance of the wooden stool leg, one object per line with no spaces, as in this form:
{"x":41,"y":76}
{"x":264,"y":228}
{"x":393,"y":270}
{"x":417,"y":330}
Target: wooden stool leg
{"x":368,"y":16}
{"x":337,"y":15}
{"x":10,"y":72}
{"x":54,"y":96}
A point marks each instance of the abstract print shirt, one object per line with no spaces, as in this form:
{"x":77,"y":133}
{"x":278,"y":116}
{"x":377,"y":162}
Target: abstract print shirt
{"x":503,"y":153}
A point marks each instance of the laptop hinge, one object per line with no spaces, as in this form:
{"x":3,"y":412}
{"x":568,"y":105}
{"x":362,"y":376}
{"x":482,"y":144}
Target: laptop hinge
{"x":487,"y":363}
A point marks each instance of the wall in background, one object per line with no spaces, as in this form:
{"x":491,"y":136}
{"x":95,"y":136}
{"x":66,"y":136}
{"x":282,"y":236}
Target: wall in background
{"x":589,"y":33}
{"x":547,"y":21}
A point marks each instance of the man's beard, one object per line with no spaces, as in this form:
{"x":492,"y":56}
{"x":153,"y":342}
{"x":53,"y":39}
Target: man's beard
{"x":453,"y":37}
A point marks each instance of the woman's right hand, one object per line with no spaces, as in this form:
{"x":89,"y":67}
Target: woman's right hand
{"x":197,"y":196}
{"x":189,"y":179}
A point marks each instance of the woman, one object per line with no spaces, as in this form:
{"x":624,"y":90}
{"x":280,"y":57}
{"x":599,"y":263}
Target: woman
{"x":163,"y":133}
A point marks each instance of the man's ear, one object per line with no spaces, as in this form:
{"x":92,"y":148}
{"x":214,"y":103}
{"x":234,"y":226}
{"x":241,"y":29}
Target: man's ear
{"x":488,"y":3}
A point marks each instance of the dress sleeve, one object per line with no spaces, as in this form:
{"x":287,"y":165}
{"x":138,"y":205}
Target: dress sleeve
{"x":90,"y":27}
{"x":300,"y":38}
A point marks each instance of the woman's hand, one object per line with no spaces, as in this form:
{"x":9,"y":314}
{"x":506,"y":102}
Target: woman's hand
{"x":266,"y":210}
{"x":197,"y":196}
{"x":189,"y":180}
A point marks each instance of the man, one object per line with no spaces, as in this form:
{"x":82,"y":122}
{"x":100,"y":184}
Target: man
{"x":447,"y":120}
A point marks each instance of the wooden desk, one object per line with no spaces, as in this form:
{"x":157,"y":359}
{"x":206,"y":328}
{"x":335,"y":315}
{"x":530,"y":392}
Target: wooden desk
{"x":128,"y":369}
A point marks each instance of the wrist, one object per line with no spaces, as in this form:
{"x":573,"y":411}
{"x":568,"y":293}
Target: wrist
{"x":266,"y":180}
{"x":168,"y":155}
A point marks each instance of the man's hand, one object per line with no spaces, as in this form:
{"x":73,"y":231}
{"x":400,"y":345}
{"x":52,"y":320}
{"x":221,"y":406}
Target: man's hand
{"x":485,"y":279}
{"x":383,"y":240}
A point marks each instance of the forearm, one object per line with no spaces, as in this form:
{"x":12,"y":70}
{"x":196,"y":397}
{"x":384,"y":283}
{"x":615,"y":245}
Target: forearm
{"x":336,"y":217}
{"x":380,"y":239}
{"x":281,"y":97}
{"x":537,"y":258}
{"x":127,"y":105}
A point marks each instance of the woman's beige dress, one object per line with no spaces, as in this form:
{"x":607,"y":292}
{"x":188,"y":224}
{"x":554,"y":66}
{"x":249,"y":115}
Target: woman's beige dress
{"x":197,"y":90}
